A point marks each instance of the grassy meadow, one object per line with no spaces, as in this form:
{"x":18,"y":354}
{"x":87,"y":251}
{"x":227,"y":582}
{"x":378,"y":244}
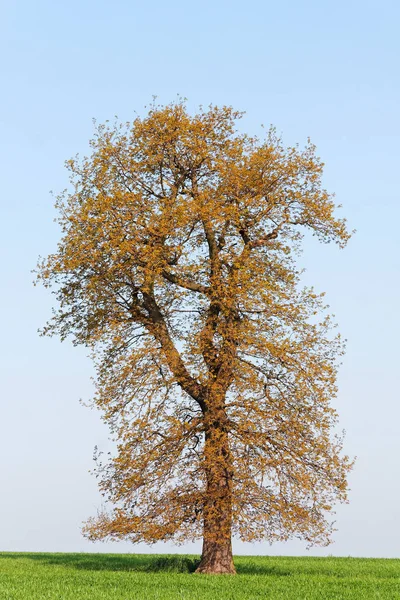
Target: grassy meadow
{"x":36,"y":576}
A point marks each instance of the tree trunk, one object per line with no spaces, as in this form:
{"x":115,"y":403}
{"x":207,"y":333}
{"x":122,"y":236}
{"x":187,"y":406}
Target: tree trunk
{"x":216,"y":555}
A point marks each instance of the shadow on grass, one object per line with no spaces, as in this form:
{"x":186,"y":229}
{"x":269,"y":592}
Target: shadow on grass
{"x":181,"y":563}
{"x":144,"y":563}
{"x":249,"y":568}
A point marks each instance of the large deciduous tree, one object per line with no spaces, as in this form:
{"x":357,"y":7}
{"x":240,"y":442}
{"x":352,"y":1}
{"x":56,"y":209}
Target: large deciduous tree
{"x":215,"y":369}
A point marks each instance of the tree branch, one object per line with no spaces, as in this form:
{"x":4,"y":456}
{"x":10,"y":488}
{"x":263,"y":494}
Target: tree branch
{"x":185,"y":283}
{"x":157,"y":326}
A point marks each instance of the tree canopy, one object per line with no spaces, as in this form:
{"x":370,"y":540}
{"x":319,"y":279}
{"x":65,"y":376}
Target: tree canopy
{"x":216,"y":369}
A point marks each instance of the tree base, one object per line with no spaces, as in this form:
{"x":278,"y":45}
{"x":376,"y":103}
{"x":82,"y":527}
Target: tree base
{"x":216,"y":559}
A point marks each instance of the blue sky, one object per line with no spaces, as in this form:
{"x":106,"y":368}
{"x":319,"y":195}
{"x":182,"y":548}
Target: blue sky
{"x":328,"y":70}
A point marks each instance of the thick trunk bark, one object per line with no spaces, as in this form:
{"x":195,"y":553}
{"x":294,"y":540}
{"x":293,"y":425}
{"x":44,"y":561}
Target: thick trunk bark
{"x":216,"y":556}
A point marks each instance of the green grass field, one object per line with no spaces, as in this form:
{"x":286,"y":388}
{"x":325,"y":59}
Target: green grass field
{"x":36,"y":576}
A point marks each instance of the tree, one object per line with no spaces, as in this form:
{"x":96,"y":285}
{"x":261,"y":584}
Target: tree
{"x":215,"y":369}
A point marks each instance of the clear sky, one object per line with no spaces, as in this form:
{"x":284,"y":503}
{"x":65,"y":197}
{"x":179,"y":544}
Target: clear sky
{"x":328,"y":70}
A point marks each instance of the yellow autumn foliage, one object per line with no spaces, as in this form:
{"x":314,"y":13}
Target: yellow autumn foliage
{"x":177,"y":267}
